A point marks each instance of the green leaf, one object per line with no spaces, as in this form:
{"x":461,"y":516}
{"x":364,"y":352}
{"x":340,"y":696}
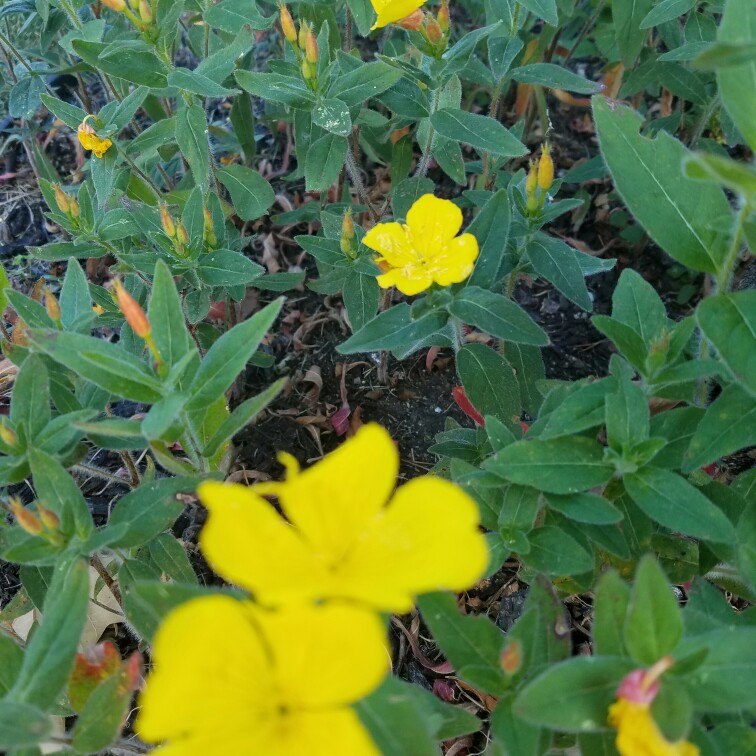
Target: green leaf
{"x":561,"y":465}
{"x":252,"y":195}
{"x":22,"y":725}
{"x":147,"y":511}
{"x":164,"y":312}
{"x":553,"y":552}
{"x":497,"y":316}
{"x":485,"y":134}
{"x":585,"y":507}
{"x":233,"y":15}
{"x":626,"y":339}
{"x":575,"y":695}
{"x":243,"y":122}
{"x":191,"y":137}
{"x":610,"y":609}
{"x":737,"y":83}
{"x":545,"y":9}
{"x":491,"y":228}
{"x":489,"y":382}
{"x":369,"y":80}
{"x":132,"y":60}
{"x":277,"y":88}
{"x":555,"y":77}
{"x":512,"y":734}
{"x":674,"y":503}
{"x":666,"y":10}
{"x":69,"y":114}
{"x":227,"y":268}
{"x":473,"y":644}
{"x":11,"y":654}
{"x":23,"y":100}
{"x":653,"y":625}
{"x":727,"y":427}
{"x":407,"y":192}
{"x":75,"y":300}
{"x":100,"y":721}
{"x":169,"y":555}
{"x":191,"y":81}
{"x":227,"y":357}
{"x":627,"y":16}
{"x":107,"y":365}
{"x":636,"y":304}
{"x":50,"y":654}
{"x":393,"y":328}
{"x":729,"y":322}
{"x":333,"y":116}
{"x":527,"y":363}
{"x":324,"y":161}
{"x":627,"y":416}
{"x":557,"y":262}
{"x":361,"y":295}
{"x":738,"y":177}
{"x":678,"y":213}
{"x":30,"y":406}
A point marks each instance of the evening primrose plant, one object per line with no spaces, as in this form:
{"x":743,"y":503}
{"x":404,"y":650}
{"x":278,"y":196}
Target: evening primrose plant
{"x":406,"y":153}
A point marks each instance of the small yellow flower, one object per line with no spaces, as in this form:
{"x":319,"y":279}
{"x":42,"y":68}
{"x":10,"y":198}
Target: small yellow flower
{"x":637,"y":732}
{"x":389,"y":11}
{"x":90,"y":141}
{"x":231,"y":678}
{"x":342,"y":540}
{"x":426,"y":249}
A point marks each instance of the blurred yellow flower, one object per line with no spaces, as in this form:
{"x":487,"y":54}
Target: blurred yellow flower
{"x":90,"y":141}
{"x":231,"y":678}
{"x":637,"y":732}
{"x":342,"y":541}
{"x":425,"y":250}
{"x":389,"y":11}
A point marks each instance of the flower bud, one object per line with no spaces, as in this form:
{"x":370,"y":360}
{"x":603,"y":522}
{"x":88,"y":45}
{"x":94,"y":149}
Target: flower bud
{"x":413,"y":22}
{"x":19,"y":336}
{"x":116,"y":5}
{"x":52,"y":306}
{"x":7,"y":434}
{"x":145,"y":12}
{"x":209,"y":231}
{"x":61,"y":199}
{"x":74,"y":208}
{"x":132,"y":311}
{"x":545,"y":168}
{"x":443,"y":16}
{"x":532,"y":203}
{"x":433,"y":31}
{"x":311,"y":47}
{"x":287,"y":24}
{"x":25,"y":518}
{"x":49,"y":519}
{"x":531,"y":182}
{"x":303,"y":27}
{"x":348,"y":237}
{"x":182,"y":236}
{"x":307,"y":70}
{"x":168,"y":225}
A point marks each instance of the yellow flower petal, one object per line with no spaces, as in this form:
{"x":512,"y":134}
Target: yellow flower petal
{"x":432,"y":223}
{"x":327,"y":655}
{"x":638,"y":734}
{"x":333,"y":501}
{"x":456,"y":262}
{"x":410,"y":280}
{"x":248,"y":543}
{"x":427,"y":540}
{"x":210,"y":666}
{"x":389,"y":11}
{"x":391,"y":240}
{"x":335,"y":732}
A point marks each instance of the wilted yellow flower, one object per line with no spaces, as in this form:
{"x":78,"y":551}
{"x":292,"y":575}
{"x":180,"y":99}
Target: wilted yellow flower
{"x":426,"y":249}
{"x":389,"y":11}
{"x":231,"y":678}
{"x":90,"y":141}
{"x":637,"y":732}
{"x":341,"y":540}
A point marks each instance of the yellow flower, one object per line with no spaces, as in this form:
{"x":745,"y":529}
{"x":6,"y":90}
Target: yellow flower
{"x":426,"y":249}
{"x":389,"y":11}
{"x":90,"y":141}
{"x":343,"y":542}
{"x":231,"y":678}
{"x":637,"y":732}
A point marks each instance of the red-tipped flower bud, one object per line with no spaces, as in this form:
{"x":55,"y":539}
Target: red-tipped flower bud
{"x":311,"y":47}
{"x":26,"y":518}
{"x":62,"y":200}
{"x":133,"y":312}
{"x":168,"y":225}
{"x":443,"y":16}
{"x":433,"y":31}
{"x":413,"y":22}
{"x":287,"y":24}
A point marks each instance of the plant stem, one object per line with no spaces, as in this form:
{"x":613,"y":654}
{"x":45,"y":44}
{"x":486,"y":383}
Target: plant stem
{"x":422,"y":169}
{"x":107,"y":578}
{"x":133,"y":472}
{"x":354,"y":175}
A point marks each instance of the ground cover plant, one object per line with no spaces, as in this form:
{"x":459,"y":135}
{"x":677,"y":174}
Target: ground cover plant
{"x":378,"y":377}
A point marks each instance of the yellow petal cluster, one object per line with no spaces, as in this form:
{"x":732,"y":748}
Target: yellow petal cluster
{"x":426,"y":249}
{"x":340,"y":539}
{"x":639,"y":735}
{"x":231,"y":678}
{"x":90,"y":141}
{"x":389,"y":11}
